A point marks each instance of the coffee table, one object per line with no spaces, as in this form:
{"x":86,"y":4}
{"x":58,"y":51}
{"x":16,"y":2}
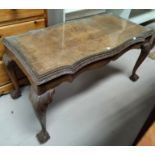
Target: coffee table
{"x":56,"y":54}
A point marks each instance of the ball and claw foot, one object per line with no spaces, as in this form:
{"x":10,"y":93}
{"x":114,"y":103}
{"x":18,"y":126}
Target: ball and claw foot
{"x":134,"y":77}
{"x":43,"y":137}
{"x":15,"y":94}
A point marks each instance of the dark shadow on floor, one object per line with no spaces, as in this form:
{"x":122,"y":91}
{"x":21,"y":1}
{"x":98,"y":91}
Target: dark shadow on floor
{"x":118,"y":136}
{"x":83,"y":82}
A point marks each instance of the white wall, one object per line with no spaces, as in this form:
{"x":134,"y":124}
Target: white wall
{"x":58,"y":15}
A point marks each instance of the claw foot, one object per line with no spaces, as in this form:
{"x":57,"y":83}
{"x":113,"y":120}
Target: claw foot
{"x":42,"y":136}
{"x":134,"y":77}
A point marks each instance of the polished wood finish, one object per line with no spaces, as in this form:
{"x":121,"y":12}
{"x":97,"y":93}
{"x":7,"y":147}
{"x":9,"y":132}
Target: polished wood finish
{"x":65,"y":43}
{"x":145,"y":49}
{"x":16,"y":21}
{"x":40,"y":104}
{"x":21,"y":27}
{"x":4,"y":79}
{"x":4,"y":89}
{"x":10,"y":68}
{"x":149,"y":137}
{"x":7,"y":15}
{"x":152,"y":54}
{"x":59,"y":53}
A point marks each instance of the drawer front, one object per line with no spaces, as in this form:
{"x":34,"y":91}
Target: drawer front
{"x":3,"y":75}
{"x":18,"y":28}
{"x":17,"y":14}
{"x":4,"y":89}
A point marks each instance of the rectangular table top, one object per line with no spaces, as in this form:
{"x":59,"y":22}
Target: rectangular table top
{"x":53,"y":48}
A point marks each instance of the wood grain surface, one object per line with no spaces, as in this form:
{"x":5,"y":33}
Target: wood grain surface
{"x":72,"y":45}
{"x":4,"y":89}
{"x":18,"y":14}
{"x":3,"y":75}
{"x":50,"y":56}
{"x":149,"y":138}
{"x":17,"y":29}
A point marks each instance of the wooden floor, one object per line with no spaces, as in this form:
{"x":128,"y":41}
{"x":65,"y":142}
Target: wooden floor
{"x":149,"y":138}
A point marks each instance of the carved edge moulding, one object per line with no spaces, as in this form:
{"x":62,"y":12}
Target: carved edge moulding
{"x":73,"y":68}
{"x":42,"y":88}
{"x":43,"y":95}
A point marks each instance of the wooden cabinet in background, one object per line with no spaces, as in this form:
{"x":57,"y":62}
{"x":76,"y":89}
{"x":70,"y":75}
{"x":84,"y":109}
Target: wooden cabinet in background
{"x":15,"y":21}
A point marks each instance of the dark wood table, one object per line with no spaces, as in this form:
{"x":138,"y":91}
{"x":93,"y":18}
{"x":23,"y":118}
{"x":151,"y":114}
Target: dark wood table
{"x":52,"y":55}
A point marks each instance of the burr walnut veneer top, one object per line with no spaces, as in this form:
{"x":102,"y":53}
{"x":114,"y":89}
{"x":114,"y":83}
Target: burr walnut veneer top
{"x":53,"y":49}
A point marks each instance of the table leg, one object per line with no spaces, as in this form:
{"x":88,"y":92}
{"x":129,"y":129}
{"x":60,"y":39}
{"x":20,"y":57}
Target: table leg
{"x":10,"y":68}
{"x":40,"y":104}
{"x":145,"y":49}
{"x":152,"y":54}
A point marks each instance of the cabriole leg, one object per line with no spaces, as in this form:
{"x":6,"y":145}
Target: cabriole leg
{"x":40,"y":104}
{"x":10,"y":68}
{"x":145,"y":49}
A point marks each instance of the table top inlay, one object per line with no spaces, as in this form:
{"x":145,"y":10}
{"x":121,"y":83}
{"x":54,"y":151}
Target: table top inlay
{"x":52,"y":49}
